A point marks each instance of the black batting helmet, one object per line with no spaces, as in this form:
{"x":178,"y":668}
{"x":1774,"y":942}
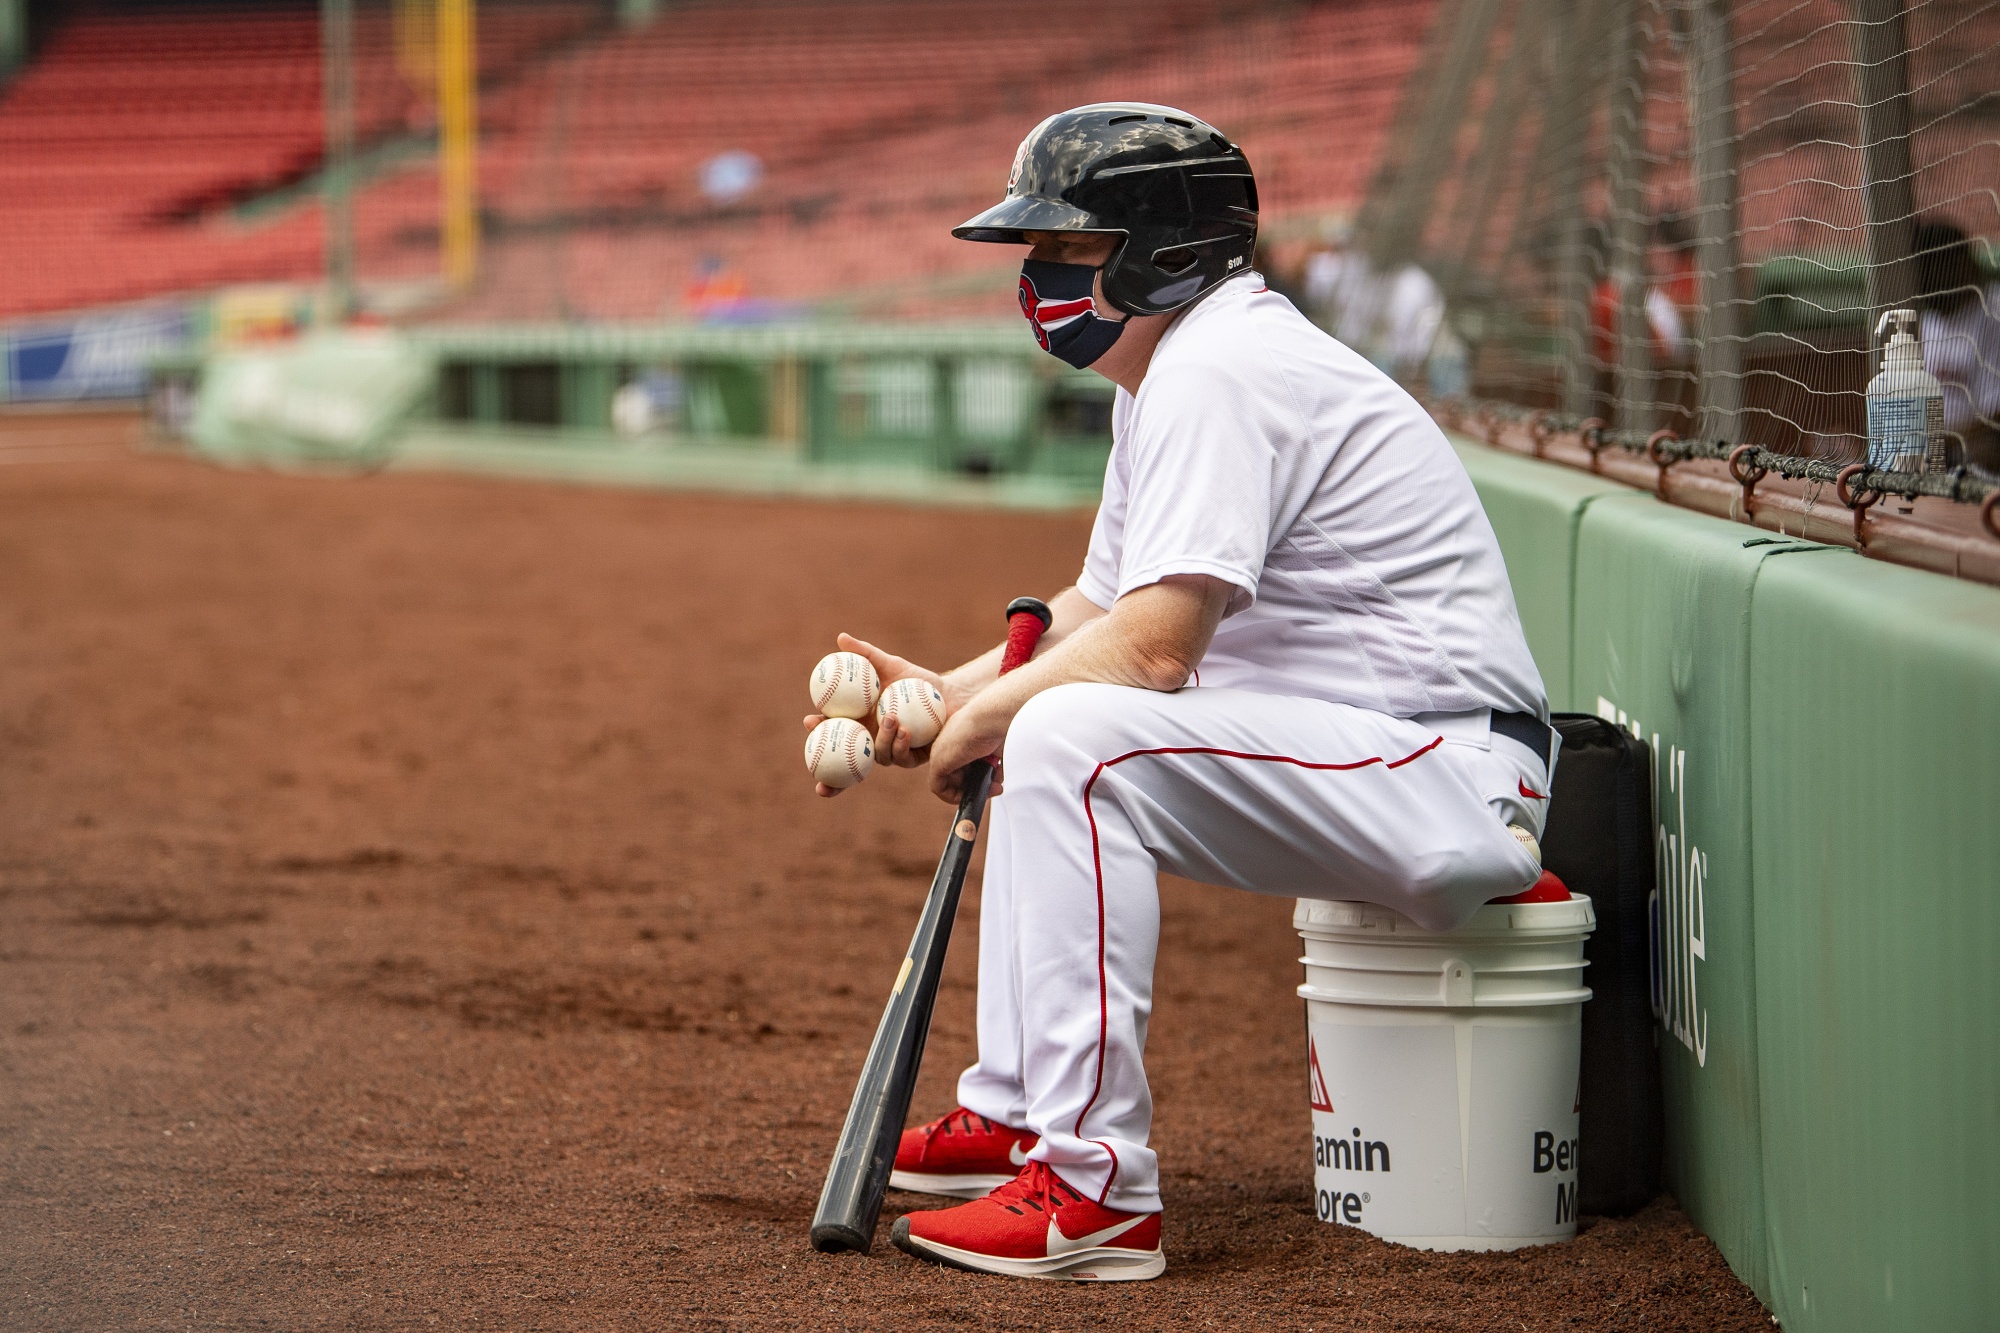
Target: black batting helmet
{"x":1180,"y":195}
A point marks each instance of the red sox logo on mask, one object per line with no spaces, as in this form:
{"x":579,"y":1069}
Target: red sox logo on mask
{"x":1046,"y":316}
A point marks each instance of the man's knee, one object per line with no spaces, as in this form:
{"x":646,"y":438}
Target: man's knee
{"x":1066,"y":727}
{"x":1443,"y":889}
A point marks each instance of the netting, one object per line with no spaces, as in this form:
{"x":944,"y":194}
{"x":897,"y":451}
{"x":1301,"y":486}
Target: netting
{"x":1692,"y":216}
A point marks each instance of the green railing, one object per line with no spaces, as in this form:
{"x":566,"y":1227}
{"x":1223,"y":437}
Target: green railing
{"x":970,"y":399}
{"x":947,"y":412}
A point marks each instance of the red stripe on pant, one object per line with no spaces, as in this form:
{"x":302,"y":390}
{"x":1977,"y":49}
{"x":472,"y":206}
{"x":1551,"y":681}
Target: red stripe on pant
{"x":1097,"y":864}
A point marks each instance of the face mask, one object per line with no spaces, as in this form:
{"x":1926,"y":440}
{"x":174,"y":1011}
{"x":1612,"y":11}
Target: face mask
{"x":1056,"y":299}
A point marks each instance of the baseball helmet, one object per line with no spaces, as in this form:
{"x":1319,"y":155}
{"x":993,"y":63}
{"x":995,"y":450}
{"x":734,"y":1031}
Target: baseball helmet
{"x":1179,"y":194}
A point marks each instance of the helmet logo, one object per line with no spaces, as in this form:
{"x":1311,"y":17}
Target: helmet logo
{"x":1046,"y":316}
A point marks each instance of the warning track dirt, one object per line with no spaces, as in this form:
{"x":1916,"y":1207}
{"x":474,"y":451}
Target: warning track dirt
{"x":411,"y":909}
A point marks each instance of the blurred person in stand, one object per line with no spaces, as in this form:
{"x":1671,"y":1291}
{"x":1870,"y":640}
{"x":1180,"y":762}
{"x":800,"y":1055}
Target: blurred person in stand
{"x":1324,"y":271}
{"x":1390,"y":318}
{"x":1959,"y":324}
{"x":648,"y":404}
{"x":1673,"y":291}
{"x":1394,"y":319}
{"x":1412,"y":314}
{"x":1602,"y":360}
{"x":716,"y":290}
{"x":1672,"y":303}
{"x":1345,"y":291}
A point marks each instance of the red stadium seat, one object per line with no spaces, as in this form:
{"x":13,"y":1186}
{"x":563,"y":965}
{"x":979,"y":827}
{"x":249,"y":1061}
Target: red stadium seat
{"x":880,"y":124}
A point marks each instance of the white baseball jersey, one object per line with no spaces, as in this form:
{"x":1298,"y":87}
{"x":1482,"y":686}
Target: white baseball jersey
{"x":1337,"y":744}
{"x":1262,"y":452}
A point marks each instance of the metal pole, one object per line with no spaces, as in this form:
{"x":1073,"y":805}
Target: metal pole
{"x":1882,"y":80}
{"x":13,"y":37}
{"x":458,"y":141}
{"x":1396,"y":157}
{"x":1544,"y":58}
{"x":1628,"y":219}
{"x":1712,"y":115}
{"x":1474,"y":210}
{"x":336,"y":21}
{"x":1570,"y":109}
{"x":1432,"y":148}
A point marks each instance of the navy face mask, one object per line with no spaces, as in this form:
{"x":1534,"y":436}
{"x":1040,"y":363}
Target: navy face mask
{"x":1056,"y":299}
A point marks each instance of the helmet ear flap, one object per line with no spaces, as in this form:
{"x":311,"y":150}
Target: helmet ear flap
{"x":1118,"y":285}
{"x":1174,"y":274}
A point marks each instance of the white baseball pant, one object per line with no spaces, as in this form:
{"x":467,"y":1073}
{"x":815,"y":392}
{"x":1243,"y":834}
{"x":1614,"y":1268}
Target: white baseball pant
{"x":1105,"y":786}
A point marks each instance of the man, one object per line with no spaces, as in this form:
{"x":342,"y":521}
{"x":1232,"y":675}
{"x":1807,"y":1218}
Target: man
{"x":1292,"y":664}
{"x":1961,"y":337}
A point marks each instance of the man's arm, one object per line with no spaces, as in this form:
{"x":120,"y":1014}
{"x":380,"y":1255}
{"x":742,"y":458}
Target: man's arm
{"x":1152,"y":639}
{"x":1071,"y":611}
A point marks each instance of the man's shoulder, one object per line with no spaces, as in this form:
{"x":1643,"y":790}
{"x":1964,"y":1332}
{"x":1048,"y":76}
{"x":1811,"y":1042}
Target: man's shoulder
{"x":1254,"y":344}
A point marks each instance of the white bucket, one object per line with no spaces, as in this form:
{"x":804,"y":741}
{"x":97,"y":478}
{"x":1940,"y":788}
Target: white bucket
{"x":1444,"y":1071}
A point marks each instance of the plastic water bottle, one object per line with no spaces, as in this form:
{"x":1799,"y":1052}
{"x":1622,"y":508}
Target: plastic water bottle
{"x":1905,"y":403}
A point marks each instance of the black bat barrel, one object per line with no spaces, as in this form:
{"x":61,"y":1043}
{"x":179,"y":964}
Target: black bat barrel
{"x":852,"y":1197}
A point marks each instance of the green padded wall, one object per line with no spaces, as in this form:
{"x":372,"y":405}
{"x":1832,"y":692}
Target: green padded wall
{"x":1535,"y":509}
{"x":1828,"y":793}
{"x":1662,"y":637}
{"x":1875,"y":794}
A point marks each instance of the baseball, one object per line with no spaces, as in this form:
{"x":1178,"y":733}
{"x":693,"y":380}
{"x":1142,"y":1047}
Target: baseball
{"x":839,"y":752}
{"x":918,"y":706}
{"x":845,"y":685}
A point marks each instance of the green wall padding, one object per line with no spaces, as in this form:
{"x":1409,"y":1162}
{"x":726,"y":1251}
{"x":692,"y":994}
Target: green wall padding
{"x":1535,"y":509}
{"x":1828,"y":788}
{"x":1875,"y":795}
{"x":1662,"y":638}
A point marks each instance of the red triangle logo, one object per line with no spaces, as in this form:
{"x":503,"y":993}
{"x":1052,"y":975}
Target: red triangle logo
{"x":1321,"y":1102}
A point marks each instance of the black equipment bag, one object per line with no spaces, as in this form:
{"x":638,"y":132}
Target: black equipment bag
{"x":1599,"y":842}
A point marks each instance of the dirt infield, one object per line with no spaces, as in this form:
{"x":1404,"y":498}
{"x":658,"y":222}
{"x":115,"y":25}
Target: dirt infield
{"x":413,"y":912}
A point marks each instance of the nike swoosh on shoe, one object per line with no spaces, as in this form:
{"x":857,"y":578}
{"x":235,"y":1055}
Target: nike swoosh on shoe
{"x":1060,"y":1244}
{"x":1017,"y":1154}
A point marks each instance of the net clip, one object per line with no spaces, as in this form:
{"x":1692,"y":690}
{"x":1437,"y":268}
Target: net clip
{"x":1747,"y":472}
{"x":1843,"y":487}
{"x":1591,"y":434}
{"x":1659,"y":448}
{"x":1489,"y":426}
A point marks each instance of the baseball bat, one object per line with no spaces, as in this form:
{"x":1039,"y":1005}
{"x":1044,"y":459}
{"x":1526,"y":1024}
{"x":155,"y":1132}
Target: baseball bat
{"x":851,"y":1199}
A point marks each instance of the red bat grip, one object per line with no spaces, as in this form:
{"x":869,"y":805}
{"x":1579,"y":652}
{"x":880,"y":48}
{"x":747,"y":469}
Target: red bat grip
{"x":1023,"y":633}
{"x":1027,"y":619}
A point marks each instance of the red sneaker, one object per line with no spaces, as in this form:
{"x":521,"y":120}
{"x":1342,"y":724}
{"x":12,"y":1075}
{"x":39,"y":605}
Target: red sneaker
{"x":1037,"y":1226}
{"x":963,"y":1155}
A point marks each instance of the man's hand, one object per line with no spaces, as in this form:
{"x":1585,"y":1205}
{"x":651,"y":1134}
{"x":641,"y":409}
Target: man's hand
{"x":892,"y":739}
{"x":974,"y":732}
